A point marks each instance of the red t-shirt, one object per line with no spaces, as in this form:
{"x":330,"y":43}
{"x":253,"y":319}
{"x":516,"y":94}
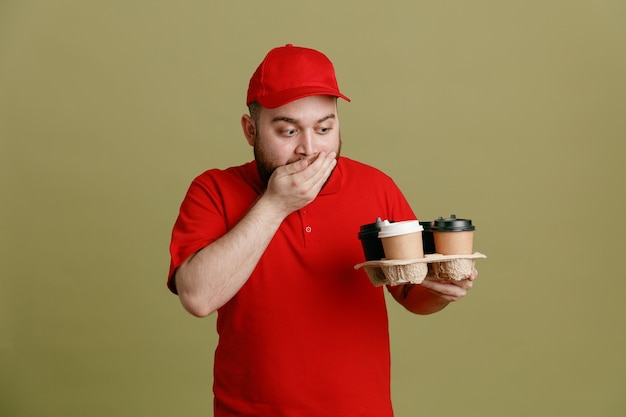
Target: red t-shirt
{"x":307,"y":334}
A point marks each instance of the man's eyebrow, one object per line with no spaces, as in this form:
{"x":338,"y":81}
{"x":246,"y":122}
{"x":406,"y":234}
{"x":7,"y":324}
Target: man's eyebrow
{"x":330,"y":116}
{"x":284,"y":119}
{"x":295,"y":121}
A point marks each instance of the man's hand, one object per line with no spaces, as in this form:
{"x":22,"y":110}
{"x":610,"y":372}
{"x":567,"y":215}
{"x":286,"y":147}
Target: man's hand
{"x":295,"y":185}
{"x":450,"y":290}
{"x":432,"y":295}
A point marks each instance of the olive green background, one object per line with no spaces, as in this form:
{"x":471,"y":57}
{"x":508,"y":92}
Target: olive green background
{"x":509,"y":113}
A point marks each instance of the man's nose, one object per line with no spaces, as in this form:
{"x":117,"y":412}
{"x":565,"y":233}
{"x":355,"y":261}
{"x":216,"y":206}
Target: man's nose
{"x":305,"y":144}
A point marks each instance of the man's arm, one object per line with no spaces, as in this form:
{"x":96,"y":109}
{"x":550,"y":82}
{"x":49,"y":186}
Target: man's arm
{"x":213,"y":275}
{"x":431,"y":296}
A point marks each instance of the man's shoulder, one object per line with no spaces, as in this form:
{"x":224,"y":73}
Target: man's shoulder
{"x":235,"y":174}
{"x":240,"y":171}
{"x":354,"y":167}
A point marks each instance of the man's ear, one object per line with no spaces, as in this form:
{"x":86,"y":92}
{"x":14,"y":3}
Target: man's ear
{"x":249,"y":128}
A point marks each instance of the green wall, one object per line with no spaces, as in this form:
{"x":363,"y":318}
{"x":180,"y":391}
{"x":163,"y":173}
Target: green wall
{"x":510,"y":113}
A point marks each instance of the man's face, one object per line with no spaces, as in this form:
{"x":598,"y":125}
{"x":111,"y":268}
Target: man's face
{"x":298,"y":130}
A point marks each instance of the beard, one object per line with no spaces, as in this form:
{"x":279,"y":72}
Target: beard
{"x":266,"y":167}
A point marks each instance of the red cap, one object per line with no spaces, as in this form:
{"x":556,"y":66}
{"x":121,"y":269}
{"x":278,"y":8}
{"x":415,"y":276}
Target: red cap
{"x":290,"y":73}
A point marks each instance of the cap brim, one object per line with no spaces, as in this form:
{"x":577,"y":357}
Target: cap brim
{"x":286,"y":96}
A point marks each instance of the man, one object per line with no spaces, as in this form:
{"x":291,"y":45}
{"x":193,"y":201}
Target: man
{"x":271,"y":245}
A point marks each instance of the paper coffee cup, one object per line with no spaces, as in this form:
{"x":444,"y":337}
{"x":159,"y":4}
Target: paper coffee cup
{"x":370,"y":242}
{"x":427,"y":237}
{"x":453,"y":236}
{"x":402,"y":240}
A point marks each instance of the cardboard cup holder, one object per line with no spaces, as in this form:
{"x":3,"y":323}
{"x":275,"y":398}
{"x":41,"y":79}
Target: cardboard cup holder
{"x":414,"y":271}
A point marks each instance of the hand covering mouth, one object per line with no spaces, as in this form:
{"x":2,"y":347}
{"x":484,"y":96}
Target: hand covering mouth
{"x":310,"y":159}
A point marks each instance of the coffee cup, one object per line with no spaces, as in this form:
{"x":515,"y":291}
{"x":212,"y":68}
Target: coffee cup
{"x":402,"y":240}
{"x":427,"y":237}
{"x":370,"y":242}
{"x":453,"y":236}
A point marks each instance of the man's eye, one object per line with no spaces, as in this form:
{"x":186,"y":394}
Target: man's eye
{"x":323,"y":130}
{"x":289,"y":132}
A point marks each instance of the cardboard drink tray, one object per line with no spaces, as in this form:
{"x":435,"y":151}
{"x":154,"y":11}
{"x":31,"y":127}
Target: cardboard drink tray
{"x":402,"y":271}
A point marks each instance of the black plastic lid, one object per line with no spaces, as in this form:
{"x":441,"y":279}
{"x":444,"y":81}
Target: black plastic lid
{"x":368,"y":230}
{"x":427,"y":225}
{"x":452,"y":224}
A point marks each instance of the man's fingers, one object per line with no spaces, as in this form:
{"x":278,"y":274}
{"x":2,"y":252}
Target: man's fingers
{"x":314,"y":168}
{"x":449,"y":290}
{"x":294,"y":167}
{"x":327,"y":163}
